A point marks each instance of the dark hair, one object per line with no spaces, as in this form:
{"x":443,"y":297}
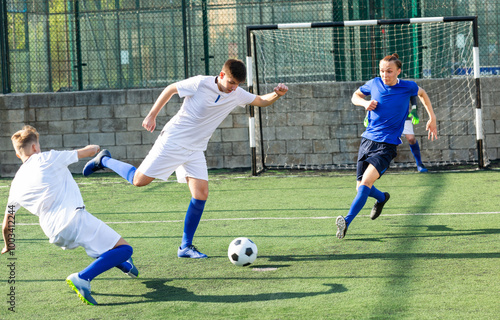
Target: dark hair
{"x":236,"y":69}
{"x":393,"y":58}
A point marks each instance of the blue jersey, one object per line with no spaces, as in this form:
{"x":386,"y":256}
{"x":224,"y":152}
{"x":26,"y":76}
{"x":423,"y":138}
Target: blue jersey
{"x":386,"y":122}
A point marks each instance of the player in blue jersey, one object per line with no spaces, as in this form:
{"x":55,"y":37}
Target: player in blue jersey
{"x":387,"y":112}
{"x":409,"y":133}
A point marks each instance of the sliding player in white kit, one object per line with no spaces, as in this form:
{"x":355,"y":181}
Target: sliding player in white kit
{"x":182,"y":142}
{"x":44,"y":186}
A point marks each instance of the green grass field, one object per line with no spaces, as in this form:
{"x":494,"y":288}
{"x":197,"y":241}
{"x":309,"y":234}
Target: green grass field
{"x":433,"y":254}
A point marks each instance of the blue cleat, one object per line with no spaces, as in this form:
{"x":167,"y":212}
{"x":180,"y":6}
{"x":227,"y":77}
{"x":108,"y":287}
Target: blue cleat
{"x":190,"y":252}
{"x":95,"y":164}
{"x":133,"y":272}
{"x":341,"y":227}
{"x":81,"y":287}
{"x":421,"y":168}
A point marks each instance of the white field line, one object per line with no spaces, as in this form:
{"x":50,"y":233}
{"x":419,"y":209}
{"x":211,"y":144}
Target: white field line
{"x":287,"y":218}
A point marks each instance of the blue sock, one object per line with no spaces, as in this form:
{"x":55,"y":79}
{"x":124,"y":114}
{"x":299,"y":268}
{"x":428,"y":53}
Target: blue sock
{"x":106,"y":261}
{"x":193,"y":216}
{"x":124,"y":170}
{"x":377,"y":194}
{"x":124,"y":266}
{"x":357,"y":204}
{"x":415,"y":150}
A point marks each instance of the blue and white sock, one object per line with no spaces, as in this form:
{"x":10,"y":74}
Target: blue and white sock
{"x":106,"y":261}
{"x":357,"y":204}
{"x":124,"y":170}
{"x":193,"y":217}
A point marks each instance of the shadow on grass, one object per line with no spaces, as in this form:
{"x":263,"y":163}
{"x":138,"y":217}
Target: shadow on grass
{"x":432,"y":228}
{"x":164,"y":293}
{"x":382,"y":256}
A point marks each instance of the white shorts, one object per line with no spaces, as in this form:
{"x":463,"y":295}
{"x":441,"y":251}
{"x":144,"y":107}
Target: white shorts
{"x":165,"y":158}
{"x":88,"y":232}
{"x":408,"y":127}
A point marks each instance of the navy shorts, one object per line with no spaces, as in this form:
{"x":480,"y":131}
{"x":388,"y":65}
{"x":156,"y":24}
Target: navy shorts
{"x":378,"y":154}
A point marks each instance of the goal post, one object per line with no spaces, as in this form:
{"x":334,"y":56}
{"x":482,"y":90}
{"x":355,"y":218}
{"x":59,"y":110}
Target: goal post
{"x":315,"y":126}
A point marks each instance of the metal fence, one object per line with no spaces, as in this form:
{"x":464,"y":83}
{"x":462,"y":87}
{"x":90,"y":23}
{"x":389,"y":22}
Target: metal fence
{"x":69,"y":45}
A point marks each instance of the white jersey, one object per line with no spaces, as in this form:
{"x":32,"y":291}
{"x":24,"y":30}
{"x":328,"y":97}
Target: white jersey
{"x":203,"y":110}
{"x":44,"y":186}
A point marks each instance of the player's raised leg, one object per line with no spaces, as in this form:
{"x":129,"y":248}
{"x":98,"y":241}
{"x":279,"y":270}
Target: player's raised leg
{"x":127,"y":171}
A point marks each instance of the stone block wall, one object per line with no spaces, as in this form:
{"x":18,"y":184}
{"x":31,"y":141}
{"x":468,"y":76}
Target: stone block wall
{"x":111,"y":119}
{"x":312,"y":124}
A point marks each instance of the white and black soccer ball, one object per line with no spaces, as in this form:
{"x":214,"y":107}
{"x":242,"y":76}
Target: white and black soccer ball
{"x":242,"y":252}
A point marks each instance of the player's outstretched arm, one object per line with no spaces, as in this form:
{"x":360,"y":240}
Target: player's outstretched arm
{"x":149,"y":123}
{"x":88,"y":151}
{"x":358,"y":99}
{"x":431,"y":125}
{"x":270,"y":98}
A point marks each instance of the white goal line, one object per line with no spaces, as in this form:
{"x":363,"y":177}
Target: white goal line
{"x":288,"y":218}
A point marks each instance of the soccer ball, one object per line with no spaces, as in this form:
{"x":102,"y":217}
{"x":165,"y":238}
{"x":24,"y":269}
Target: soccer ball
{"x":242,"y":252}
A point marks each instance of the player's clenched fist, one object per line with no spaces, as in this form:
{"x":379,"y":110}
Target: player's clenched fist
{"x":372,"y":104}
{"x":281,"y":89}
{"x":149,"y":123}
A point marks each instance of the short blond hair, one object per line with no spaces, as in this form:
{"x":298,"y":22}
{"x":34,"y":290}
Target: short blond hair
{"x":25,"y":138}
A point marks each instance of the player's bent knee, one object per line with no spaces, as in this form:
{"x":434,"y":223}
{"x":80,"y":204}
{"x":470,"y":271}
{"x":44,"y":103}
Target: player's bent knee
{"x":140,"y":183}
{"x":141,"y":180}
{"x":202,"y":196}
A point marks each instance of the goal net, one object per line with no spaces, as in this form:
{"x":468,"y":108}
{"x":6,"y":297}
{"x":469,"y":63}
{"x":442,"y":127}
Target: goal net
{"x":315,"y":125}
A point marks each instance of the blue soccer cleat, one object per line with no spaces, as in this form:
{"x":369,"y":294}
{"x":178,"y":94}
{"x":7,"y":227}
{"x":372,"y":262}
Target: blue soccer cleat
{"x":190,"y":252}
{"x":81,"y":287}
{"x":133,"y":272}
{"x":422,"y":169}
{"x":95,"y":164}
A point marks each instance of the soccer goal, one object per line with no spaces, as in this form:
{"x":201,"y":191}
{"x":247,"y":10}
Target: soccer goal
{"x":315,"y":126}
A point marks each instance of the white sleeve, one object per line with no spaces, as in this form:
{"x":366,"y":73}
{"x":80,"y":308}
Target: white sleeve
{"x":63,"y":158}
{"x":12,"y":203}
{"x":12,"y":207}
{"x":245,"y":97}
{"x":189,"y":86}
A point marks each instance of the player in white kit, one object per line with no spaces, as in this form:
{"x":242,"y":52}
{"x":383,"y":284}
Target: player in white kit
{"x":182,"y":142}
{"x":44,"y":186}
